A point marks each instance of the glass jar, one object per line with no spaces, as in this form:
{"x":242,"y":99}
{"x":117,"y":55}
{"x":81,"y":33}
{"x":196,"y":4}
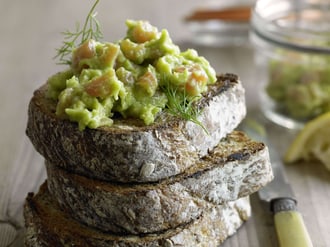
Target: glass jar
{"x":292,"y":53}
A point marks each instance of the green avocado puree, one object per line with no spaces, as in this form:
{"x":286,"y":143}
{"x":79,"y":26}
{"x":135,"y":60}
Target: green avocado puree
{"x":127,"y":77}
{"x":300,"y":85}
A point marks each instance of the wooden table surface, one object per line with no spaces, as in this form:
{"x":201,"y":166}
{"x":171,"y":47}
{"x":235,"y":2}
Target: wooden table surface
{"x":30,"y":32}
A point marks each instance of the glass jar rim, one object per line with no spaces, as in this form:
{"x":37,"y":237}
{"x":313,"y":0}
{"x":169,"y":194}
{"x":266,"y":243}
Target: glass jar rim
{"x":297,"y":25}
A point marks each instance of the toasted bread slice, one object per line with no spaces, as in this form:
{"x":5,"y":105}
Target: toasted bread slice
{"x":129,"y":151}
{"x":47,"y":225}
{"x":237,"y":167}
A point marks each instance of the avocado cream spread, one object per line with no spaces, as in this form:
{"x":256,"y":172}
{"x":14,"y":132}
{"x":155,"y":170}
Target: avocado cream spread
{"x":129,"y":77}
{"x":301,"y":88}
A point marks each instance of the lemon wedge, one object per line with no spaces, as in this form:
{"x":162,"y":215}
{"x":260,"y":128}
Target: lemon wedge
{"x":312,"y":142}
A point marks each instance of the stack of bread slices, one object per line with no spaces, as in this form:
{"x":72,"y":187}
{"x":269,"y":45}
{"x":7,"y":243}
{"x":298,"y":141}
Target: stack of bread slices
{"x":172,"y":183}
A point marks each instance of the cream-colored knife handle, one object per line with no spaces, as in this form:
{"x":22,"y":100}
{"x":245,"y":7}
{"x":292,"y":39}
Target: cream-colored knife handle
{"x":290,"y":228}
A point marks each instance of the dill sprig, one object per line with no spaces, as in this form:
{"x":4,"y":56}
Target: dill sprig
{"x":90,"y":30}
{"x":180,"y":104}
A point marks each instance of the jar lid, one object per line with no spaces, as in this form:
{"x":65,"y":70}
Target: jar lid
{"x":300,"y":25}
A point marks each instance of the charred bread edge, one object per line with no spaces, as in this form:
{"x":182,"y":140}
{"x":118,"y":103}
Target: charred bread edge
{"x":47,"y":225}
{"x":145,"y":208}
{"x":141,"y":154}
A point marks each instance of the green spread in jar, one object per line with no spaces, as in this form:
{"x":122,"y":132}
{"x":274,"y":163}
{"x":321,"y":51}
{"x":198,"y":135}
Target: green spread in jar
{"x":300,"y":85}
{"x":127,"y":77}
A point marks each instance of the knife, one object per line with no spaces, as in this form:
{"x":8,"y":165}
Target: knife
{"x":289,"y":224}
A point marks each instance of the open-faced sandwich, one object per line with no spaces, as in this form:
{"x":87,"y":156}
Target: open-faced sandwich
{"x":140,"y":147}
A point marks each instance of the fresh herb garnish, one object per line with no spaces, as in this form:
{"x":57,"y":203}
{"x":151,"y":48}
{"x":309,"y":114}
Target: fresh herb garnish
{"x":180,"y":104}
{"x":90,"y":30}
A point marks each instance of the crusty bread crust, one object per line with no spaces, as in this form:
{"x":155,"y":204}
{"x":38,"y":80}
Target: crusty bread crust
{"x":237,"y":167}
{"x":47,"y":225}
{"x":129,"y":151}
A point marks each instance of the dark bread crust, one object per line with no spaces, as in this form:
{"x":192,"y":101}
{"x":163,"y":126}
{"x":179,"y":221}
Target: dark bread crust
{"x":129,"y":151}
{"x":237,"y":167}
{"x":47,"y":225}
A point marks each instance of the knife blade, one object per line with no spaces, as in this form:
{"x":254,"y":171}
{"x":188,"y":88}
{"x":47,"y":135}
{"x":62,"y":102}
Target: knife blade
{"x":289,"y":224}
